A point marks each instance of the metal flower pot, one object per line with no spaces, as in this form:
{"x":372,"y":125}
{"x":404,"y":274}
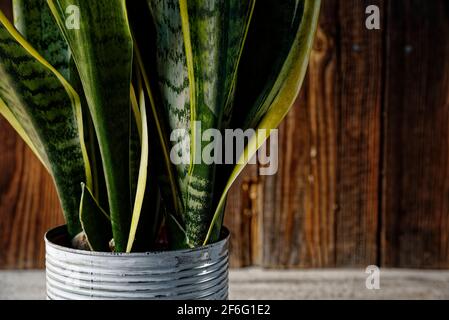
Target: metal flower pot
{"x":183,"y":274}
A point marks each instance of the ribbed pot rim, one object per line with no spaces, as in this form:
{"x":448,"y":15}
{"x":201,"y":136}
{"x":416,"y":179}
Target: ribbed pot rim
{"x":61,"y":231}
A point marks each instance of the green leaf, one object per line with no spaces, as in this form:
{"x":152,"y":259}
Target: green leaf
{"x":34,"y":21}
{"x":264,"y":64}
{"x":99,"y":190}
{"x":278,"y":95}
{"x":161,"y":140}
{"x":239,"y":20}
{"x":135,"y":146}
{"x":172,"y":83}
{"x":213,"y":36}
{"x":95,"y":222}
{"x":198,"y":49}
{"x":162,"y":172}
{"x":12,"y":120}
{"x":102,"y":49}
{"x":45,"y":109}
{"x":149,"y":221}
{"x":143,"y":171}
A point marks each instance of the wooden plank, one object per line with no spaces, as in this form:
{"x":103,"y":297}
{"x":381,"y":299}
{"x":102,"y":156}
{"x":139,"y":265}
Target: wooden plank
{"x":240,"y":216}
{"x":358,"y":143}
{"x":321,"y":210}
{"x":299,"y":201}
{"x":416,"y":185}
{"x":29,"y":204}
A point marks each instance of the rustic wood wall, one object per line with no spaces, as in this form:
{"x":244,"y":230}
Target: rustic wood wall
{"x":364,"y":156}
{"x":364,"y":169}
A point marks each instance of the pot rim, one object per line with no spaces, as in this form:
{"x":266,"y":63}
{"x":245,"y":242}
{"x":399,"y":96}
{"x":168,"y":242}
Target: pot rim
{"x":62,"y":230}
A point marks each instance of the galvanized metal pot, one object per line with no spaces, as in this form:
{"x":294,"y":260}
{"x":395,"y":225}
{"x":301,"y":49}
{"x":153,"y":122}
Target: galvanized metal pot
{"x":184,"y":274}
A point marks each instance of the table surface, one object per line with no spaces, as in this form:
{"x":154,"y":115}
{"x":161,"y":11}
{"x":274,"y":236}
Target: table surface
{"x":257,"y":284}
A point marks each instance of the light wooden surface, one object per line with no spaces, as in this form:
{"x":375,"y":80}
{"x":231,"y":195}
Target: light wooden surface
{"x":284,"y":285}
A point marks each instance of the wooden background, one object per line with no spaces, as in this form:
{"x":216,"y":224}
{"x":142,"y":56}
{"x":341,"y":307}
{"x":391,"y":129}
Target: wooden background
{"x":364,"y":157}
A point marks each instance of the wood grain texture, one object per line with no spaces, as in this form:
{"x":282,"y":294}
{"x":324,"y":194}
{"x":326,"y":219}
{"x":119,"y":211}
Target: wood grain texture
{"x":321,"y":210}
{"x":290,"y":234}
{"x":29,"y":204}
{"x":240,"y":216}
{"x":358,"y":144}
{"x":364,"y":156}
{"x":415,"y":220}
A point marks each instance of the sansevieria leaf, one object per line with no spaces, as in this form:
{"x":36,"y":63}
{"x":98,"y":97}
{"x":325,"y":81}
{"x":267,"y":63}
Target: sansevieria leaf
{"x":264,"y":64}
{"x":33,"y":19}
{"x":135,"y":146}
{"x":48,"y":110}
{"x":239,"y":19}
{"x":143,"y":171}
{"x":198,"y":47}
{"x":17,"y":126}
{"x":103,"y":51}
{"x":130,"y":111}
{"x":275,"y":97}
{"x":159,"y":139}
{"x":212,"y":41}
{"x":172,"y":79}
{"x":145,"y":196}
{"x":95,"y":222}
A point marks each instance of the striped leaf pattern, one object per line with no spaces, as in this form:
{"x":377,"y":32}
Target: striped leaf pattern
{"x":275,"y":100}
{"x":33,"y":19}
{"x":102,"y":49}
{"x":49,"y":112}
{"x":187,"y":66}
{"x":198,"y":50}
{"x":172,"y":77}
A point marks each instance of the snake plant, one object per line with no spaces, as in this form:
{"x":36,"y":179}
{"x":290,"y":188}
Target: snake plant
{"x":96,"y":88}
